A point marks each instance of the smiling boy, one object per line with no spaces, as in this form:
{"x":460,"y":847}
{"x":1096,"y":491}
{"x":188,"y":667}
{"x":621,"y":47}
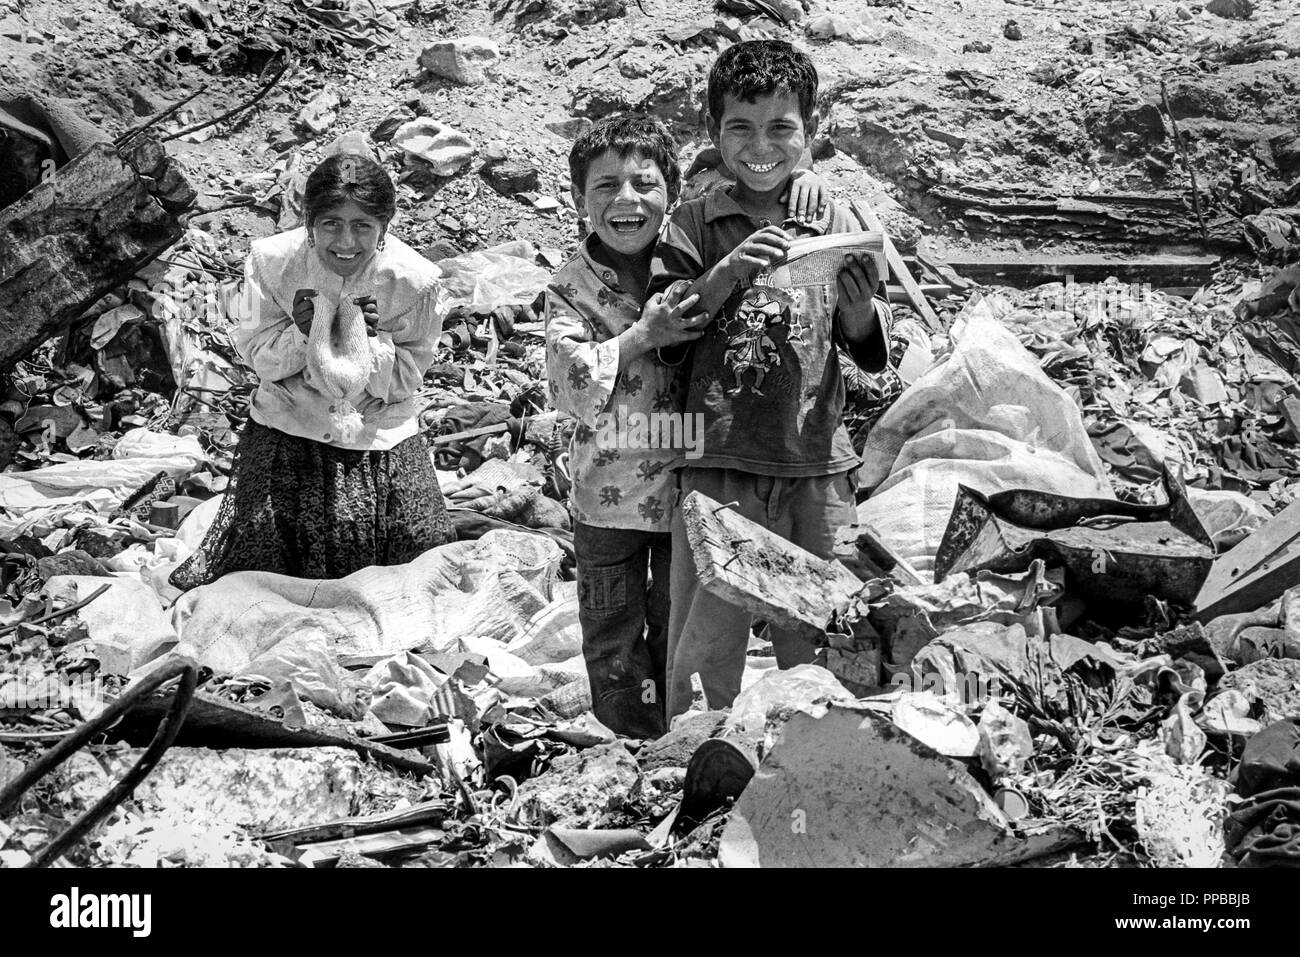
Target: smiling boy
{"x":766,"y":373}
{"x":602,"y":369}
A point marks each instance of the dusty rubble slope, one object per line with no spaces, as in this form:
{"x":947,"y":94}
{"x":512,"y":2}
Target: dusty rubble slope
{"x":982,"y":123}
{"x":909,"y":100}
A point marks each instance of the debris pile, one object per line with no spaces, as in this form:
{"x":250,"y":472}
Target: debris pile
{"x":1066,"y":620}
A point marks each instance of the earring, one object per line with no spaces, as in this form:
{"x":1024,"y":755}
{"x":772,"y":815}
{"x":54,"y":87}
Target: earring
{"x":311,"y":240}
{"x":380,"y":244}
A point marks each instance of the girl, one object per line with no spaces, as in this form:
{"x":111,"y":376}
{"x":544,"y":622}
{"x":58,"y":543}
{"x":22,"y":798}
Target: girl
{"x":331,"y":474}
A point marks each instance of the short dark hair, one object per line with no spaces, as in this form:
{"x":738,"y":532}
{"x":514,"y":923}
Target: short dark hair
{"x":626,"y":134}
{"x":349,"y":176}
{"x":755,"y":68}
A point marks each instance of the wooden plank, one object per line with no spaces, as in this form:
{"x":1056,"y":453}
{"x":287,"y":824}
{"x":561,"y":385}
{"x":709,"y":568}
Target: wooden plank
{"x":327,"y":853}
{"x":759,"y":571}
{"x":213,"y":722}
{"x":915,"y":297}
{"x":86,"y":230}
{"x":1254,"y":571}
{"x":424,"y":813}
{"x":1025,"y":271}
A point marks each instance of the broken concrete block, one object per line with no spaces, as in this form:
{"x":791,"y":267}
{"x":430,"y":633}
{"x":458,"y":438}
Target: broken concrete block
{"x":853,"y":790}
{"x":465,"y":60}
{"x":319,"y":113}
{"x":511,"y":176}
{"x":675,"y":748}
{"x":1270,"y":683}
{"x":437,"y":144}
{"x":582,"y":790}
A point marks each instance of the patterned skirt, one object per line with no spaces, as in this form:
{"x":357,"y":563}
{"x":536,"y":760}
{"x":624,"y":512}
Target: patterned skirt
{"x":298,"y":507}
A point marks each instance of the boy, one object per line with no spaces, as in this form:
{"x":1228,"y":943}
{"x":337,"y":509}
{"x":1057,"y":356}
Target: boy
{"x":602,"y":369}
{"x":766,"y":374}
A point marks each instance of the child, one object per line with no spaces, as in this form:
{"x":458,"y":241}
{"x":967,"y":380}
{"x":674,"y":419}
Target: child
{"x":602,"y":368}
{"x":331,"y":474}
{"x":766,"y":374}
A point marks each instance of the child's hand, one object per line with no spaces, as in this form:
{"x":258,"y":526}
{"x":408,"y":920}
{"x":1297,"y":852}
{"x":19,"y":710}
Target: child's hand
{"x":762,"y":249}
{"x":664,"y":319}
{"x":858,"y":281}
{"x":304,"y":309}
{"x":808,"y":196}
{"x":369,"y":312}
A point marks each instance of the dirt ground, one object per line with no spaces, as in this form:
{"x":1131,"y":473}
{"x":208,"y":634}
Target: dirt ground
{"x":922,"y":95}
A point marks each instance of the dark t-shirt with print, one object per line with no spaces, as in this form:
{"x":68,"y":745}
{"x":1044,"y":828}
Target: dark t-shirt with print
{"x":765,"y":374}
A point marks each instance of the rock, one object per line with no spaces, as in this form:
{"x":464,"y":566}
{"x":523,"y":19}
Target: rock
{"x":834,"y":26}
{"x":353,"y":141}
{"x":1272,"y":684}
{"x":73,"y":562}
{"x":446,"y":150}
{"x":466,"y":60}
{"x":393,"y":119}
{"x":509,"y":177}
{"x":1183,"y":13}
{"x":977,"y":46}
{"x":570,"y":129}
{"x":582,"y":789}
{"x":1011,"y":30}
{"x":1231,"y":9}
{"x":675,"y":748}
{"x":1129,"y":125}
{"x":852,"y":790}
{"x":789,"y":10}
{"x":281,"y":139}
{"x":319,"y":114}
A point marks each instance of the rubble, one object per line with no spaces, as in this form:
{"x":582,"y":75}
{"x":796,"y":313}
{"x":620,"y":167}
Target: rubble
{"x":438,"y":714}
{"x":445,"y":150}
{"x":464,"y":60}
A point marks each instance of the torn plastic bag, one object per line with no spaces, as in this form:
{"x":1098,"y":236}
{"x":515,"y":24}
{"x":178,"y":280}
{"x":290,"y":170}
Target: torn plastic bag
{"x":488,"y":279}
{"x":806,"y":688}
{"x":986,"y":417}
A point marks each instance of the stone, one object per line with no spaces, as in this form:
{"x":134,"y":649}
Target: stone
{"x":584,"y":789}
{"x":1231,"y":9}
{"x":1130,"y":125}
{"x":1271,"y":684}
{"x":1011,"y":30}
{"x":509,"y":177}
{"x":466,"y":60}
{"x":852,"y":790}
{"x":571,"y":128}
{"x":446,"y":150}
{"x":675,"y":748}
{"x":319,"y":113}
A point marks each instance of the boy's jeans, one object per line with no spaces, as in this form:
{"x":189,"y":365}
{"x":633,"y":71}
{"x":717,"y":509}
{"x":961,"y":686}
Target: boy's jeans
{"x":709,"y":635}
{"x":624,"y":620}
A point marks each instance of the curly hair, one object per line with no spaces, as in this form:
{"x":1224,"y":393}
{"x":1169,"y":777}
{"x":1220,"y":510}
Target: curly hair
{"x":755,"y":68}
{"x":349,"y":176}
{"x":626,"y":134}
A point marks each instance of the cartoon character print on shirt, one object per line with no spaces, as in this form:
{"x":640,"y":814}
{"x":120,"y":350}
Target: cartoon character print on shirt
{"x":750,"y":346}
